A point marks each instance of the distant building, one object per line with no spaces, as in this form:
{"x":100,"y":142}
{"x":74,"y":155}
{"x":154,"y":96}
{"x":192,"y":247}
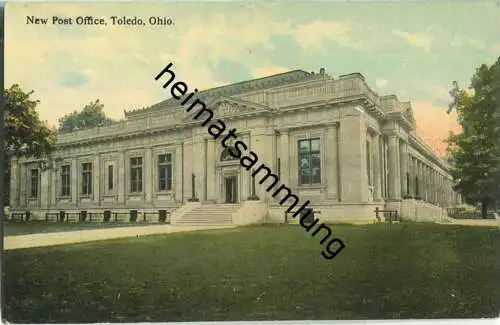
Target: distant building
{"x":334,"y":142}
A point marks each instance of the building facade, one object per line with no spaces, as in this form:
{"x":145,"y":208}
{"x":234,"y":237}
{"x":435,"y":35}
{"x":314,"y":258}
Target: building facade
{"x":332,"y":141}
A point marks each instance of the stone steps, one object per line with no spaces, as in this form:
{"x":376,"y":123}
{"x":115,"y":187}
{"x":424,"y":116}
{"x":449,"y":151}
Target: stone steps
{"x":210,"y":214}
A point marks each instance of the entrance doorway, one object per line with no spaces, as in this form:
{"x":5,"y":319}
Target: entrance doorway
{"x":231,"y":186}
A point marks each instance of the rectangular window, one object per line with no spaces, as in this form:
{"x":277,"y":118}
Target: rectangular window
{"x":165,"y":172}
{"x":86,"y":179}
{"x":34,"y":178}
{"x":309,"y":162}
{"x":136,"y":175}
{"x":66,"y":180}
{"x":110,"y":177}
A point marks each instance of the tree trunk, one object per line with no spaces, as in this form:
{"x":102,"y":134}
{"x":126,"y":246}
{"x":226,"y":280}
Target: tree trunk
{"x":484,"y":205}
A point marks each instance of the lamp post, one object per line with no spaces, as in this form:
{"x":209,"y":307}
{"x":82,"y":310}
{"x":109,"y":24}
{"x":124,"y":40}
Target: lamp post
{"x":193,"y":194}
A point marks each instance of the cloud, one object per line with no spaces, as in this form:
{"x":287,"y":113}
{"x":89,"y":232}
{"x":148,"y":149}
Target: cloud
{"x":74,"y":79}
{"x":117,"y":64}
{"x":312,"y":36}
{"x":477,"y":44}
{"x":418,"y":40}
{"x":381,"y":83}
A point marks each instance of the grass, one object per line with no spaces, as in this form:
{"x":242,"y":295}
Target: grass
{"x":260,"y":273}
{"x":33,"y":227}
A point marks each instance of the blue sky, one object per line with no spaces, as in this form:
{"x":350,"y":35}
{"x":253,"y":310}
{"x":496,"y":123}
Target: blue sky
{"x":414,"y":50}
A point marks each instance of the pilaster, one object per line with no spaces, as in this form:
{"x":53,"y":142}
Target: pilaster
{"x":96,"y":175}
{"x":14,"y":183}
{"x":354,"y":184}
{"x":122,"y":182}
{"x":74,"y":180}
{"x":211,"y":162}
{"x":179,"y":173}
{"x":44,"y":195}
{"x":148,"y":175}
{"x":199,"y":165}
{"x":189,"y":160}
{"x":54,"y":191}
{"x":330,"y":150}
{"x":284,"y":155}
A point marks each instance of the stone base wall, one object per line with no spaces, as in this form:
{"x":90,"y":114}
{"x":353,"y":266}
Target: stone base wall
{"x":349,"y":213}
{"x":252,"y":212}
{"x":414,"y":210}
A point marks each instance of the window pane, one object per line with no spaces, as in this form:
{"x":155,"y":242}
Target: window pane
{"x":161,"y":178}
{"x":305,"y":179}
{"x":169,"y":177}
{"x":315,"y":145}
{"x":304,"y":146}
{"x":304,"y":161}
{"x":316,"y":176}
{"x":110,"y":177}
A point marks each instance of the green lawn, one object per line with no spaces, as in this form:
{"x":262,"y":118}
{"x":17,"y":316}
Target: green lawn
{"x":32,"y":227}
{"x":260,"y":273}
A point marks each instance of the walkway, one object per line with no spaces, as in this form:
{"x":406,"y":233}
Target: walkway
{"x":71,"y":237}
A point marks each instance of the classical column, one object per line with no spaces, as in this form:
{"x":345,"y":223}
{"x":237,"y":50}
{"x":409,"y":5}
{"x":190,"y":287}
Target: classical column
{"x":426,"y":183}
{"x":435,"y":186}
{"x":404,"y":168}
{"x":431,"y":193}
{"x":148,"y":175}
{"x":377,"y":170}
{"x":418,"y":185}
{"x":414,"y":174}
{"x":75,"y":172}
{"x":122,"y":182}
{"x":96,"y":173}
{"x":394,"y":169}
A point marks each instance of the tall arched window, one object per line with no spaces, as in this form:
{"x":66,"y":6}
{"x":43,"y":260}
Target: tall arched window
{"x":228,"y":154}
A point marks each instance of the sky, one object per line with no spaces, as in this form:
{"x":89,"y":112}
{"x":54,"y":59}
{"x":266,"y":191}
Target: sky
{"x":414,"y":50}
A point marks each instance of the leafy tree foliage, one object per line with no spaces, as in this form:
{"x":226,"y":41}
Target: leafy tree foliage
{"x":476,"y":151}
{"x":25,"y":134}
{"x":92,"y":115}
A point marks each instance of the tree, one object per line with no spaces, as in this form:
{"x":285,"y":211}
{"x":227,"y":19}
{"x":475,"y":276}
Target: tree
{"x":92,"y":115}
{"x":476,"y":151}
{"x":25,"y":134}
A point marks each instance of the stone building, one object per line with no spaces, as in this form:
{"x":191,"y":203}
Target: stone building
{"x":332,"y":141}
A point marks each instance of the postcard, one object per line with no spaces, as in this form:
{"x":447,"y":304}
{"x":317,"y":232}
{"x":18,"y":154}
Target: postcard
{"x":250,"y":161}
